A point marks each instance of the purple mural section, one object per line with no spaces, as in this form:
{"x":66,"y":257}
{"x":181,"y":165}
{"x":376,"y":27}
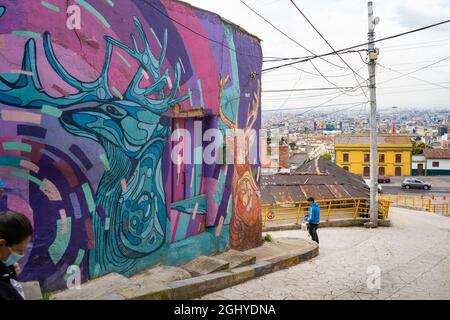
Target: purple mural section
{"x":90,"y":94}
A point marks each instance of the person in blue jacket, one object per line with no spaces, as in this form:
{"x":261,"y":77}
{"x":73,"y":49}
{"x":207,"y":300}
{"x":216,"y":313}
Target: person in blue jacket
{"x":313,"y":219}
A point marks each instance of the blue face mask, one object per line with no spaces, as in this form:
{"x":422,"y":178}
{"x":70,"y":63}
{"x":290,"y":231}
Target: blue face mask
{"x":13,"y":258}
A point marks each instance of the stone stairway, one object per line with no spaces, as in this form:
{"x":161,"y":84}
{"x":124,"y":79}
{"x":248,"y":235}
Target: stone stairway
{"x":196,"y":278}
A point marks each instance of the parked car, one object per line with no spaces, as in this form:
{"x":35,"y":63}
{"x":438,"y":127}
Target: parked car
{"x":384,"y":180}
{"x":411,"y":183}
{"x":380,"y":188}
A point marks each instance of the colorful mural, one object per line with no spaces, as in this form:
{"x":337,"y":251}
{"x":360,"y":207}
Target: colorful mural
{"x":86,"y":117}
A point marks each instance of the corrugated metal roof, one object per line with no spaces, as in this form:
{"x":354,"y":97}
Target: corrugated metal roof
{"x":318,"y":178}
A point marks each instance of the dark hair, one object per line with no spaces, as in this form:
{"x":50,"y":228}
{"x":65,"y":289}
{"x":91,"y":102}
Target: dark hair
{"x":311,"y":199}
{"x":14,"y":227}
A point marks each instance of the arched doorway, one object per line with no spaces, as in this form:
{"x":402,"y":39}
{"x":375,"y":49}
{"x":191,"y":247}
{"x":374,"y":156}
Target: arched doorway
{"x":381,"y":171}
{"x":398,"y":172}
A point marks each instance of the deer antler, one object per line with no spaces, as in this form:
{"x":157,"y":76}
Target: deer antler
{"x":149,"y":63}
{"x":93,"y":91}
{"x":26,"y":90}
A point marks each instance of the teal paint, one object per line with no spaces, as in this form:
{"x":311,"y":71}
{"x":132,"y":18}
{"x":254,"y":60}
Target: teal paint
{"x":92,"y":10}
{"x":11,"y":161}
{"x":61,"y":242}
{"x":52,"y":111}
{"x":17,"y":146}
{"x":50,"y":6}
{"x":29,"y":178}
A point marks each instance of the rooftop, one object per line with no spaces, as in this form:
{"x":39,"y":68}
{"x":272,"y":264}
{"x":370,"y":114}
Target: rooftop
{"x":437,"y":153}
{"x":365,"y":139}
{"x":318,"y":178}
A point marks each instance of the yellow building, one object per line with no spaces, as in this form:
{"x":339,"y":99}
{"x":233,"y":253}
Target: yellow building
{"x":394,"y":154}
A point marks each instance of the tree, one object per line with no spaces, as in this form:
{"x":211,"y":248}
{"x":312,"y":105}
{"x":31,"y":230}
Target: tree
{"x":293,"y":146}
{"x":327,"y":156}
{"x":418,"y":147}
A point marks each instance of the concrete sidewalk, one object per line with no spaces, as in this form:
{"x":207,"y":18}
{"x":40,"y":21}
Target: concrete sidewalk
{"x":196,"y":278}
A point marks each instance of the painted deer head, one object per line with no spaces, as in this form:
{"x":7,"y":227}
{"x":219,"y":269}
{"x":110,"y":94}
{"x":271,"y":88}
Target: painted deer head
{"x":129,"y":122}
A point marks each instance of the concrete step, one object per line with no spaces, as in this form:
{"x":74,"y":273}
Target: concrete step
{"x":32,"y":290}
{"x":160,"y":274}
{"x":236,"y":258}
{"x":205,"y":265}
{"x":100,"y":288}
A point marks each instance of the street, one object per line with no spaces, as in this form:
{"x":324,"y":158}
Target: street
{"x":413,"y":256}
{"x":440,"y":186}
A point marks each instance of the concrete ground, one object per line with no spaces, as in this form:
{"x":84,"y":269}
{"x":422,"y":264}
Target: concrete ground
{"x":413,"y":256}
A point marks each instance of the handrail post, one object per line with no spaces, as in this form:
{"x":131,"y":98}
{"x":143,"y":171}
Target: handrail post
{"x":299,"y":209}
{"x":266,"y":212}
{"x":357,"y":209}
{"x":329,"y":211}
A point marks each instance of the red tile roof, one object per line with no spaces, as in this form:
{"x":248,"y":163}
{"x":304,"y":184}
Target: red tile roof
{"x":437,"y":153}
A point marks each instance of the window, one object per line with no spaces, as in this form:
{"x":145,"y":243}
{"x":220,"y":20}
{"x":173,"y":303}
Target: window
{"x":435,"y":164}
{"x":345,"y":157}
{"x":381,"y":158}
{"x":381,"y":171}
{"x":345,"y":168}
{"x":366,"y":157}
{"x":398,"y":172}
{"x":366,"y":171}
{"x":398,"y":158}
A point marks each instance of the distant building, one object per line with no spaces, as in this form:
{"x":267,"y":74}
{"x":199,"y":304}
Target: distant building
{"x":277,"y":158}
{"x":445,"y":141}
{"x":435,"y":162}
{"x":442,"y":130}
{"x":394,"y":154}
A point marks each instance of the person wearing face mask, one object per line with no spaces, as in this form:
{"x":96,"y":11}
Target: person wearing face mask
{"x":15,"y":234}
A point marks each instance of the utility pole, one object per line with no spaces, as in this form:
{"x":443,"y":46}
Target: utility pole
{"x":373,"y":55}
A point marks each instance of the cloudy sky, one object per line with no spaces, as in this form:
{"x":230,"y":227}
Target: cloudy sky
{"x":344,"y":23}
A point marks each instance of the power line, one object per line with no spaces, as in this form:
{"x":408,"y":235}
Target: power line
{"x":417,"y":70}
{"x":412,"y":77}
{"x":198,"y":33}
{"x":309,"y":89}
{"x":323,"y":106}
{"x":328,"y":43}
{"x":286,"y":35}
{"x":296,"y":42}
{"x":357,"y":46}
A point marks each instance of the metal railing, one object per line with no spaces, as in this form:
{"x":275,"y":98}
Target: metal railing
{"x":331,"y":209}
{"x":438,"y":205}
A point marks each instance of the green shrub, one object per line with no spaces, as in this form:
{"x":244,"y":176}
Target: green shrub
{"x":268,"y":237}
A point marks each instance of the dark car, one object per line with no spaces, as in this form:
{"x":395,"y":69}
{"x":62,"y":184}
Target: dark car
{"x":415,"y":184}
{"x":384,"y":180}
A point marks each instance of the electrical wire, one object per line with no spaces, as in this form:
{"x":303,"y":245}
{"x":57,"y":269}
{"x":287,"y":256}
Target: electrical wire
{"x":308,"y":89}
{"x":328,"y":43}
{"x":357,"y":46}
{"x":417,"y":70}
{"x":295,"y":42}
{"x":412,"y":77}
{"x":198,"y":33}
{"x":284,"y":34}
